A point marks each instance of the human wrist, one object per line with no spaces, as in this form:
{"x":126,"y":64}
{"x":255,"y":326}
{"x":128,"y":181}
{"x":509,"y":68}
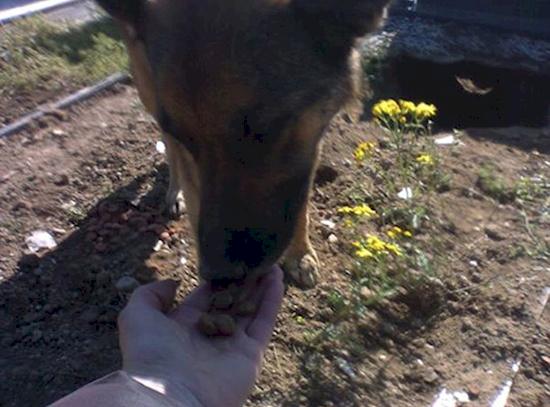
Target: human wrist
{"x":177,"y":393}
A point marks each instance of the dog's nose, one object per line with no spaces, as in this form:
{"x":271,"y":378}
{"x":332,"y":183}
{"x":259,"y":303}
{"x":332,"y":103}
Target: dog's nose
{"x":224,"y":274}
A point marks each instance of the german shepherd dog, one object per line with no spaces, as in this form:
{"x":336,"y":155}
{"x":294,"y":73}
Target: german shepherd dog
{"x":243,"y":91}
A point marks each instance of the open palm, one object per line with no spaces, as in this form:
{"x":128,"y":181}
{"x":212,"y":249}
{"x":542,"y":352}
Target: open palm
{"x":165,"y":350}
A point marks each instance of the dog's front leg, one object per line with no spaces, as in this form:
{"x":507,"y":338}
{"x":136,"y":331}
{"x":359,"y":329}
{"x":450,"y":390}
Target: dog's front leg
{"x":300,"y":262}
{"x":174,"y":197}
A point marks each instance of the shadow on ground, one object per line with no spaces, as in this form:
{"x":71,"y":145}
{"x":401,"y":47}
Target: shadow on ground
{"x":59,"y":311}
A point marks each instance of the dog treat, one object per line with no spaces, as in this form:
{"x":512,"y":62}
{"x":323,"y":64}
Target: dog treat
{"x":217,"y":325}
{"x":207,"y":326}
{"x":225,"y":324}
{"x":245,"y":309}
{"x":227,"y":302}
{"x":222,"y":300}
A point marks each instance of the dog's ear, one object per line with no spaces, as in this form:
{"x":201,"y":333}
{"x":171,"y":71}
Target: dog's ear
{"x":337,"y":23}
{"x":128,"y":11}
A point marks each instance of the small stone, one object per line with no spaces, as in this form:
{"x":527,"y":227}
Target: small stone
{"x":222,"y":300}
{"x":58,"y":133}
{"x":21,"y":205}
{"x":430,"y":375}
{"x":493,"y":233}
{"x":328,"y":224}
{"x":127,"y":284}
{"x":61,"y":180}
{"x":419,"y":343}
{"x":473,"y":390}
{"x":165,"y":236}
{"x":467,"y":325}
{"x":158,"y":246}
{"x":366,"y":293}
{"x":333,"y":239}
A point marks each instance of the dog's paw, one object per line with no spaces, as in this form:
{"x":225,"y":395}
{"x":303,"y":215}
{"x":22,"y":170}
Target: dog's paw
{"x":175,"y":204}
{"x":302,"y":272}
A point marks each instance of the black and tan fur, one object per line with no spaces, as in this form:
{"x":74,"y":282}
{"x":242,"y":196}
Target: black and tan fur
{"x":243,"y":91}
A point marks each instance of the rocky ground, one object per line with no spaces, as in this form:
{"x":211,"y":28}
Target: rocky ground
{"x":93,"y":179}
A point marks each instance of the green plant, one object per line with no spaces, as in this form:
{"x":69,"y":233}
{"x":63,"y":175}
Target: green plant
{"x":494,"y":186}
{"x":39,"y":53}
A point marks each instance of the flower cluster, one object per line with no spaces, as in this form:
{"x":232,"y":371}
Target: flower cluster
{"x":425,"y":159}
{"x":402,"y":114}
{"x":364,"y":150}
{"x":396,"y":232}
{"x":362,"y":210}
{"x":373,"y":247}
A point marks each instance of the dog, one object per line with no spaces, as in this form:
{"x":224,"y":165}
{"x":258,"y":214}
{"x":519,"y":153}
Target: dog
{"x":243,"y":91}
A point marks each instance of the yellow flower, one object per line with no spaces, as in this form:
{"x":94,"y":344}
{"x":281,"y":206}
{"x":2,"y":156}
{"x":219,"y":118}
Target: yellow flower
{"x":386,"y":108}
{"x":407,"y":107}
{"x":363,"y":150}
{"x":348,"y":223}
{"x":359,"y":210}
{"x":364,"y":253}
{"x":394,"y":232}
{"x":376,"y":244}
{"x":425,"y":111}
{"x":393,"y":248}
{"x":425,"y":159}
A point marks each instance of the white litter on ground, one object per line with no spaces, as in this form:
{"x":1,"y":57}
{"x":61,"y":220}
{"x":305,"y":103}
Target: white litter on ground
{"x":446,"y":398}
{"x":161,"y":148}
{"x":40,"y":240}
{"x":328,"y":223}
{"x":406,"y":193}
{"x":446,"y":141}
{"x":158,"y":246}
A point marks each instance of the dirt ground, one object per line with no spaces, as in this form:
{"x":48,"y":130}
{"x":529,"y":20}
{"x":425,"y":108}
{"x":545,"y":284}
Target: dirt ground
{"x":94,"y":179}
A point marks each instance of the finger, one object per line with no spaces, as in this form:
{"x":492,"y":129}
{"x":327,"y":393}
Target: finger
{"x":196,"y":303}
{"x":263,"y":323}
{"x":158,"y":295}
{"x":146,"y":304}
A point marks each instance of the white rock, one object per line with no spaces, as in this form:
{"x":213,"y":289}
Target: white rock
{"x":40,"y":240}
{"x":446,"y":141}
{"x":161,"y":148}
{"x":406,"y":193}
{"x":328,"y":223}
{"x":183,"y":261}
{"x":333,"y":238}
{"x":58,"y":133}
{"x":158,"y":246}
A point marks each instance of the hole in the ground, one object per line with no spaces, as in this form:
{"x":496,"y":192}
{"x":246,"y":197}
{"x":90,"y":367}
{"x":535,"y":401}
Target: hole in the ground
{"x":473,"y":95}
{"x":325,"y":175}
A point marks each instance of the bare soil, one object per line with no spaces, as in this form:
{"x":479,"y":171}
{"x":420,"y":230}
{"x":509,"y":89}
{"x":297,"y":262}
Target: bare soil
{"x":94,"y":179}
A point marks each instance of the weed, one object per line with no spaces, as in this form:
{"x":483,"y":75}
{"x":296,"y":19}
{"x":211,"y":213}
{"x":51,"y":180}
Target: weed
{"x":494,"y":186}
{"x":38,"y":53}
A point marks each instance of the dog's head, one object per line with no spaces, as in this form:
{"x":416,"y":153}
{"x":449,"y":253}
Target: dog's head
{"x":247,"y":86}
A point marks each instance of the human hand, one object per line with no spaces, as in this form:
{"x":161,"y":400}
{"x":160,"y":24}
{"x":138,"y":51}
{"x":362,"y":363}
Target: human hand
{"x":164,"y":350}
